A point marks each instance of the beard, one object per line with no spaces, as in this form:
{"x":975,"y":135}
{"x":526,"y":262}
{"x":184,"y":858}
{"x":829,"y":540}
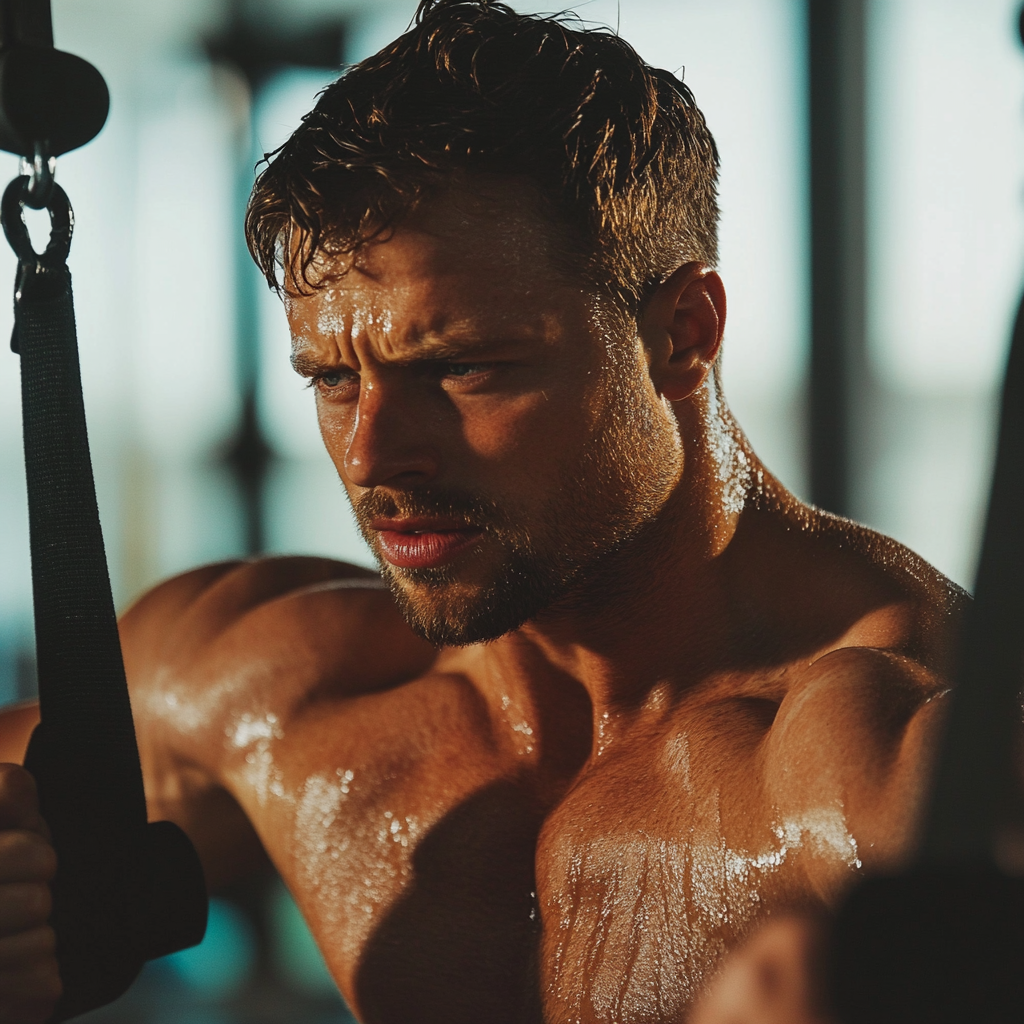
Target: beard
{"x":530,"y":558}
{"x":476,"y":598}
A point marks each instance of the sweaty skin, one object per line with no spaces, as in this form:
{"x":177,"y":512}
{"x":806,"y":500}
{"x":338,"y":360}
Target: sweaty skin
{"x":725,"y":714}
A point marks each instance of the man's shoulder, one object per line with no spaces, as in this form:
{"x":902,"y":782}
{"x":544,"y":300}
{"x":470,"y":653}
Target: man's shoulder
{"x":895,"y":622}
{"x":860,"y":696}
{"x":856,"y":734}
{"x":850,"y":643}
{"x":216,"y":596}
{"x":832,"y":584}
{"x":887,"y":559}
{"x":274,"y":630}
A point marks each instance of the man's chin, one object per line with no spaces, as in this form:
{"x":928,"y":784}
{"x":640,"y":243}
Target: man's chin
{"x":448,"y":610}
{"x":443,"y":611}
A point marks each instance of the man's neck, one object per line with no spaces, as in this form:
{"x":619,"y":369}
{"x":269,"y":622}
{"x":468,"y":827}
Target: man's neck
{"x":657,"y":607}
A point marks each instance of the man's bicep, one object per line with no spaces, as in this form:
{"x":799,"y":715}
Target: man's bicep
{"x":204,"y":652}
{"x":225,"y":840}
{"x":162,"y":635}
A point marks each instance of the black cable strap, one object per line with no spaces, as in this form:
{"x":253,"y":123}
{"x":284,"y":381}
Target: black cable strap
{"x":123,"y":892}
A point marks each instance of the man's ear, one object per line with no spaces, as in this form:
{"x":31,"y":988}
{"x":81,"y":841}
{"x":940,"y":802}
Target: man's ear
{"x":681,"y":330}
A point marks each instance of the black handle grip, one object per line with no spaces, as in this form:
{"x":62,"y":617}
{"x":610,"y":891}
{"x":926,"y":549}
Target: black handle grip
{"x":124,"y":893}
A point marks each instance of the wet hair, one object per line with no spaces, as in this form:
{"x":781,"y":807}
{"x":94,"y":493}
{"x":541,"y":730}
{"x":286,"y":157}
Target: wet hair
{"x":616,"y":150}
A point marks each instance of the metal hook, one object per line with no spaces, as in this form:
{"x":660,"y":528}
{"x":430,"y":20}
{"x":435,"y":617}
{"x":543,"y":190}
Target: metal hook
{"x":40,"y":171}
{"x":41,"y":269}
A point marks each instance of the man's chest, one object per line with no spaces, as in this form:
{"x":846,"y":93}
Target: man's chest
{"x":425,"y":909}
{"x":644,"y":881}
{"x":441,"y":888}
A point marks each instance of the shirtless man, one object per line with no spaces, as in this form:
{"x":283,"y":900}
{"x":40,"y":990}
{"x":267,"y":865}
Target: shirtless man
{"x":620,"y":696}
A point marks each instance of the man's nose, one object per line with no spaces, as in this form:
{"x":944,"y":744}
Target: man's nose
{"x":389,"y":442}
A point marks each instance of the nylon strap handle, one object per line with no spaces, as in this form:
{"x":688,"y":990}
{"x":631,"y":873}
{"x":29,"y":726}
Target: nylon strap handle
{"x":123,"y":893}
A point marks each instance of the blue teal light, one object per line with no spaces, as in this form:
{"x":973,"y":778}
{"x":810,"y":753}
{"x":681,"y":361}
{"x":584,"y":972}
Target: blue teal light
{"x":296,"y":955}
{"x":222,"y":963}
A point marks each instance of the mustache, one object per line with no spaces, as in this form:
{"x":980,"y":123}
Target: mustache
{"x":449,"y":503}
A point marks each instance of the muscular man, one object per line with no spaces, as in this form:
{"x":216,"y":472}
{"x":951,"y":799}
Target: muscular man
{"x":616,"y":696}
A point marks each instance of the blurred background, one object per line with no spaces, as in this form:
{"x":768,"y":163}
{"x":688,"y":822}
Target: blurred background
{"x":205,"y":445}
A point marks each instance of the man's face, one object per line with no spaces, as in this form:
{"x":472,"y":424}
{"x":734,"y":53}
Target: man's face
{"x":493,"y":422}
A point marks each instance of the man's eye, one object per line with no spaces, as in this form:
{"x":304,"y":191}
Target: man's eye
{"x":463,"y":369}
{"x":331,"y":381}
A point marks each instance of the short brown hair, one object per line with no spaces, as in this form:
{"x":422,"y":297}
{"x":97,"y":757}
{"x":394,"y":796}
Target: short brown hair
{"x":619,"y":151}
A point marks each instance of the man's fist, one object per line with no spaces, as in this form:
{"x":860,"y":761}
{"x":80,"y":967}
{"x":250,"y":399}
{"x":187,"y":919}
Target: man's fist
{"x":29,"y":981}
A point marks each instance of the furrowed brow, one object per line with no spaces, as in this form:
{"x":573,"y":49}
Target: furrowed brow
{"x":457,"y":349}
{"x":306,"y":364}
{"x":439,"y":352}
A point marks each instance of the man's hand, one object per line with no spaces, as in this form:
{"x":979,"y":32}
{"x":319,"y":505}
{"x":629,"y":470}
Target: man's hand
{"x":774,"y":979}
{"x":29,"y":980}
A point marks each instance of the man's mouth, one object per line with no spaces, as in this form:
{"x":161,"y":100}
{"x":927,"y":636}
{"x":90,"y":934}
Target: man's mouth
{"x":423,"y":543}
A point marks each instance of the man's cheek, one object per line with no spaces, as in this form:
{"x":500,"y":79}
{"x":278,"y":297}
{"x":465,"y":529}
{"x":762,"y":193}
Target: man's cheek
{"x":336,"y":432}
{"x":524,"y":431}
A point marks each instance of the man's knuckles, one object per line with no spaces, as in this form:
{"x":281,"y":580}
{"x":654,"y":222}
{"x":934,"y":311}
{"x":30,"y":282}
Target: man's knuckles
{"x":35,"y":945}
{"x":19,"y":801}
{"x":34,"y":1012}
{"x":772,"y":979}
{"x":30,"y":982}
{"x":26,"y":1012}
{"x":29,"y":978}
{"x":26,"y":857}
{"x":23,"y":906}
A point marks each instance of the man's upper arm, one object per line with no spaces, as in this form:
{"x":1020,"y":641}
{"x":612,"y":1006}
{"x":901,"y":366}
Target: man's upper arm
{"x":144,"y":619}
{"x":172,"y":640}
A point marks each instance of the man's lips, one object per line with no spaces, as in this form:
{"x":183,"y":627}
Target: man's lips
{"x":423,"y":543}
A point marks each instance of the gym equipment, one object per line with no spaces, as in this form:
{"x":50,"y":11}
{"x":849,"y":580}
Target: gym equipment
{"x":125,"y":891}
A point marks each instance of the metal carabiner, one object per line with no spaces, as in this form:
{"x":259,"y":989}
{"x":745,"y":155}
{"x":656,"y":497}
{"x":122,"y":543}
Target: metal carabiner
{"x":46,"y":269}
{"x":62,"y":223}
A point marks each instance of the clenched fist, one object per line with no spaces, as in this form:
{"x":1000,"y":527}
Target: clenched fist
{"x":29,"y":981}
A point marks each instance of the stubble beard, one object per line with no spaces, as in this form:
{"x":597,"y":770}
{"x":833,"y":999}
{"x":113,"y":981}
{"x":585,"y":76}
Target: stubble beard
{"x":438,"y":603}
{"x":603,"y":497}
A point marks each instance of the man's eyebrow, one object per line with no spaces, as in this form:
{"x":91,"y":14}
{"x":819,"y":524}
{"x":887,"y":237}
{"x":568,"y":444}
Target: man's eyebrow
{"x":306,"y":364}
{"x":430,"y":349}
{"x":442,"y":348}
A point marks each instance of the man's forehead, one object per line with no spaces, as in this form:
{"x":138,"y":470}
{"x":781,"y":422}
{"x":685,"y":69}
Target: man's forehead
{"x":432,"y":324}
{"x":467,"y":261}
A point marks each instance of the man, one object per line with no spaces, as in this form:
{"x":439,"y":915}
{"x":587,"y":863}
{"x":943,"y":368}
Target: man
{"x":619,"y":697}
